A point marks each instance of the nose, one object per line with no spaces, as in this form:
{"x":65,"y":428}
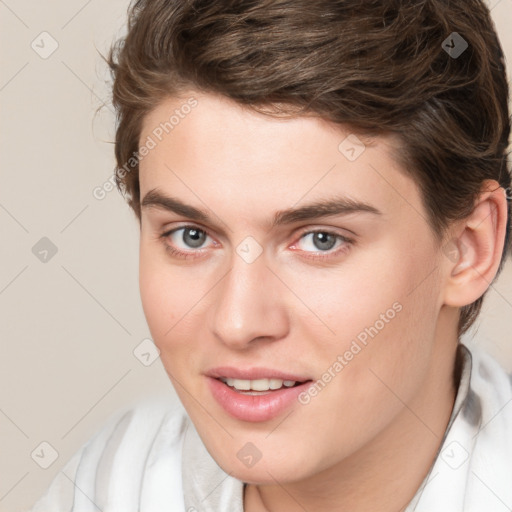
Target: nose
{"x":249,"y":306}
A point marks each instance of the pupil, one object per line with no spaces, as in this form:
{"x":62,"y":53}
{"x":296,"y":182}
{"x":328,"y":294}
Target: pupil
{"x":324,"y":241}
{"x":193,"y":237}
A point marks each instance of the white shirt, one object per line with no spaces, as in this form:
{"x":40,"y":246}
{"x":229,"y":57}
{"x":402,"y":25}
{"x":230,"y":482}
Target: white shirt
{"x":150,"y":458}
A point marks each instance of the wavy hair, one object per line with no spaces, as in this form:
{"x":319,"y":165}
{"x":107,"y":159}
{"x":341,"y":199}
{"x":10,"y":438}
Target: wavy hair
{"x":377,"y":66}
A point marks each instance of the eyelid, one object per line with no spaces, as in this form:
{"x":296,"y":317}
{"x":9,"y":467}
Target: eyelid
{"x":324,"y":229}
{"x":324,"y":226}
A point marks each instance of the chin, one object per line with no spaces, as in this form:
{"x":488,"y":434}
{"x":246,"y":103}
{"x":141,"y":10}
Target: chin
{"x":251,"y":461}
{"x":263,"y":472}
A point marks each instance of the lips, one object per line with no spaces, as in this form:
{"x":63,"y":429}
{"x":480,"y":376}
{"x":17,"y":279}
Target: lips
{"x":255,"y":394}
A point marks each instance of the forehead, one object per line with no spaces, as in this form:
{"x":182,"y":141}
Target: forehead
{"x":218,"y":151}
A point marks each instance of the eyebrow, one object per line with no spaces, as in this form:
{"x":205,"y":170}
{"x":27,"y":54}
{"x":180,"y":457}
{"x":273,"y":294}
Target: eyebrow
{"x":321,"y":208}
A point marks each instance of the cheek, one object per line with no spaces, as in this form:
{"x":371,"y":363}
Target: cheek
{"x":158,"y":305}
{"x":369,"y":295}
{"x":172,"y":299}
{"x":163,"y":295}
{"x":359,"y":395}
{"x":382,"y":318}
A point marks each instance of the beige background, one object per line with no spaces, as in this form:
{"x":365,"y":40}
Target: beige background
{"x":70,"y":326}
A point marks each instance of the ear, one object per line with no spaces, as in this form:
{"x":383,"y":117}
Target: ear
{"x":473,"y":256}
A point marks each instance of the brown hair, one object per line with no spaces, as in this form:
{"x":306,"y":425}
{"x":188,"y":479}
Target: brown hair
{"x":378,"y":67}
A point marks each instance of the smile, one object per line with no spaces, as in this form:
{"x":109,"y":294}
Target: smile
{"x":257,"y":399}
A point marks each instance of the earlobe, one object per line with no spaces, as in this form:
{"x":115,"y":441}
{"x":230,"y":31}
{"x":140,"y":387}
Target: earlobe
{"x":476,"y":251}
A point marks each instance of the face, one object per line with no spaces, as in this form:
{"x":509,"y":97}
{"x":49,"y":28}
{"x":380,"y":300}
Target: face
{"x":246,"y":282}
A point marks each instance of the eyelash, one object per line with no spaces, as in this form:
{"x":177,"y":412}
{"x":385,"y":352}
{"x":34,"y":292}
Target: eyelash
{"x":315,"y":256}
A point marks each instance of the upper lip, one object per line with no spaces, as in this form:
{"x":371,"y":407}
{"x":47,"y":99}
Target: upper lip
{"x":253,"y":373}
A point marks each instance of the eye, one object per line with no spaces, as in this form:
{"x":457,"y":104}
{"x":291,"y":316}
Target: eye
{"x":184,"y":242}
{"x":191,"y":237}
{"x":322,"y":241}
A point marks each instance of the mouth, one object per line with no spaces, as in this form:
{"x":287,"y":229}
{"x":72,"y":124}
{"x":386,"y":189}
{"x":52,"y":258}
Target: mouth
{"x":255,"y":395}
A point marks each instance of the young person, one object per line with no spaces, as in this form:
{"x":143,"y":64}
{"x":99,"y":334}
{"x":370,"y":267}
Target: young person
{"x":322,"y":191}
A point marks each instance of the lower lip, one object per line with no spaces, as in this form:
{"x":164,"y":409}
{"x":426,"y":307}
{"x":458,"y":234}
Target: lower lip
{"x":254,"y":407}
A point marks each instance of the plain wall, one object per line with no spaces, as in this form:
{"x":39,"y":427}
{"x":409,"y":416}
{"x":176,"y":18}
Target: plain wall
{"x":70,"y":325}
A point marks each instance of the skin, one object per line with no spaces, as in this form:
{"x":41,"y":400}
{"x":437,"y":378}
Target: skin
{"x":370,"y":436}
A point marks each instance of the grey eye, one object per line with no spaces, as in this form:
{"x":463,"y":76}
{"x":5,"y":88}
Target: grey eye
{"x":320,"y":240}
{"x":192,"y":237}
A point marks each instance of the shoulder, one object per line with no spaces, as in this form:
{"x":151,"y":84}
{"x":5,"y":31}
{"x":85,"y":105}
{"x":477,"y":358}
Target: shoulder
{"x":134,"y":458}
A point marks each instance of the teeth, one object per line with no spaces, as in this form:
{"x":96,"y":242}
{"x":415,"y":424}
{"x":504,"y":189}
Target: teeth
{"x":258,"y":384}
{"x":242,"y":385}
{"x":275,"y":383}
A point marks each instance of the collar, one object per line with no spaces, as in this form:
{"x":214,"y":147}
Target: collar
{"x":206,"y":487}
